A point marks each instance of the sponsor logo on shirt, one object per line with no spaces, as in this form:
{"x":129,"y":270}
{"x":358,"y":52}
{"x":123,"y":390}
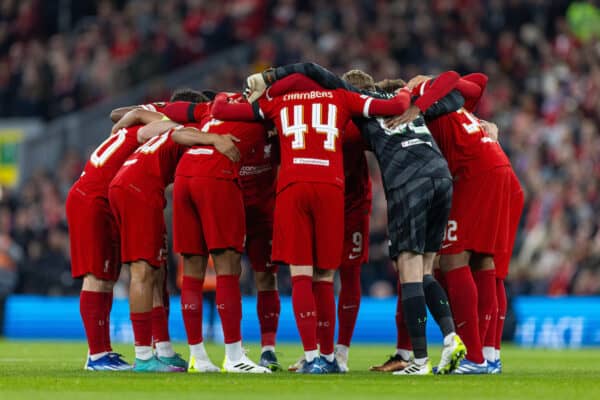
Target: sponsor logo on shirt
{"x":412,"y":142}
{"x":200,"y":151}
{"x":311,"y":161}
{"x":249,"y":170}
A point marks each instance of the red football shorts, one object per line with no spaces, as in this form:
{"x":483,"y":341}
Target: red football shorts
{"x":208,"y":214}
{"x":480,"y":215}
{"x":356,"y":236}
{"x":309,"y":225}
{"x":94,"y":236}
{"x":141,"y":223}
{"x":517,"y":201}
{"x":259,"y":235}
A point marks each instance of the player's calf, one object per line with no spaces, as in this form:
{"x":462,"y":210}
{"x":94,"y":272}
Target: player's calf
{"x":194,"y":267}
{"x":325,"y":307}
{"x":453,"y":348}
{"x":160,"y":324}
{"x":462,"y":293}
{"x":143,"y":276}
{"x":402,"y":356}
{"x":303,"y":302}
{"x":229,"y":305}
{"x":95,"y":304}
{"x":410,"y":271}
{"x":268,"y":307}
{"x":348,"y":306}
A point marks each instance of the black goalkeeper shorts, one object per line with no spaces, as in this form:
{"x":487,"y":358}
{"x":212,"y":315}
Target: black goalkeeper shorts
{"x":417,"y":215}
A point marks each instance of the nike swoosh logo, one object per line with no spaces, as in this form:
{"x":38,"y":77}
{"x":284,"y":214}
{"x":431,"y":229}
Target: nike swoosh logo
{"x":460,"y":325}
{"x":345,"y":307}
{"x":354,"y":256}
{"x":444,"y":246}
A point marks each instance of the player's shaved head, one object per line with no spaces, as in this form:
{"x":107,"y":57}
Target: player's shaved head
{"x":390,"y":85}
{"x":186,"y":94}
{"x":359,"y":79}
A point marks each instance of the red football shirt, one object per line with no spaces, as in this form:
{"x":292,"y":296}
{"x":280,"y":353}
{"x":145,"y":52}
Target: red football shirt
{"x":310,"y":124}
{"x":465,"y":144}
{"x":461,"y":138}
{"x":184,"y":111}
{"x":258,"y":172}
{"x":358,"y":183}
{"x":206,"y":161}
{"x":158,"y":106}
{"x":105,"y":161}
{"x":151,"y":168}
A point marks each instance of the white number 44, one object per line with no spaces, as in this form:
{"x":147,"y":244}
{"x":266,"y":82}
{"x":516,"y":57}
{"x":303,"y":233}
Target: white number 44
{"x":298,"y":128}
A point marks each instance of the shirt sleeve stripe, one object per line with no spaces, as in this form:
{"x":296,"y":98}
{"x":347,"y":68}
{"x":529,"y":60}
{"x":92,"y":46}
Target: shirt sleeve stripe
{"x":190,"y":112}
{"x":366,"y":107}
{"x":258,"y":113}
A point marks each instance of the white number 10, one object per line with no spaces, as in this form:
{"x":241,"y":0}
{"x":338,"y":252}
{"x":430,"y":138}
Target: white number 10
{"x":299,"y":128}
{"x":108,"y":147}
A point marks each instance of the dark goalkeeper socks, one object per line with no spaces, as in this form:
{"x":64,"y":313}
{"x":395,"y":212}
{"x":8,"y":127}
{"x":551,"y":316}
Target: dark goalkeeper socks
{"x":438,"y":305}
{"x":415,"y":316}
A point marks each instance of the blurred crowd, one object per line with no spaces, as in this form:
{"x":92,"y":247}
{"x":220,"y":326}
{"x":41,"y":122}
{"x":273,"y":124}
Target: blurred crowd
{"x":58,"y":56}
{"x":544,"y":93}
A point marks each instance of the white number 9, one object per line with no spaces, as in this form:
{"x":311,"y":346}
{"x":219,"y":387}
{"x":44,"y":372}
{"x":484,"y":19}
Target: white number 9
{"x":357,"y":240}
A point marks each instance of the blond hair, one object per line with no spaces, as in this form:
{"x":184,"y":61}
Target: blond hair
{"x":359,"y":79}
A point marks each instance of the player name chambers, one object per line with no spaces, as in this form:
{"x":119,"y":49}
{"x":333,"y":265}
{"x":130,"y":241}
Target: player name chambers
{"x":308,"y":96}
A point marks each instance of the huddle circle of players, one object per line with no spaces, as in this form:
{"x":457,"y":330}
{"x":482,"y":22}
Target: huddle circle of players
{"x":284,"y":163}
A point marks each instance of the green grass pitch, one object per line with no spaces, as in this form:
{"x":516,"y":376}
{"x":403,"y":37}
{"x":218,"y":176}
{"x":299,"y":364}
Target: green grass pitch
{"x":53,"y":370}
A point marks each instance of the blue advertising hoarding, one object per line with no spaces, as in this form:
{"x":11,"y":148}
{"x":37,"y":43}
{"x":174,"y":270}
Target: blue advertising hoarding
{"x":564,"y":322}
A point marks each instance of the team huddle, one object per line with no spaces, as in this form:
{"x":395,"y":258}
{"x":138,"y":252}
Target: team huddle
{"x":279,"y":172}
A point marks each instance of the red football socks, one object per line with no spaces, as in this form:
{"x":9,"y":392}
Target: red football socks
{"x":191,"y":308}
{"x":348,"y":303}
{"x":303,"y":302}
{"x":487,"y":302}
{"x":439,"y":276}
{"x":108,"y":300}
{"x":462,"y":294}
{"x":502,"y":306}
{"x":92,"y":306}
{"x":166,"y":298}
{"x":490,"y":337}
{"x":268,"y":307}
{"x":403,"y":337}
{"x":142,"y":328}
{"x":229,"y":305}
{"x":160,"y":325}
{"x":325,"y":305}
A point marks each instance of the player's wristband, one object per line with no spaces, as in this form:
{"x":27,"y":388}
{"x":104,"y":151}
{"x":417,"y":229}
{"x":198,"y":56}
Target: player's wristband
{"x":269,"y":76}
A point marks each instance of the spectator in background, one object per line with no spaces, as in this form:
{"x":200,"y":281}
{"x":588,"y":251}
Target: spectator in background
{"x":10,"y":257}
{"x":49,"y":73}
